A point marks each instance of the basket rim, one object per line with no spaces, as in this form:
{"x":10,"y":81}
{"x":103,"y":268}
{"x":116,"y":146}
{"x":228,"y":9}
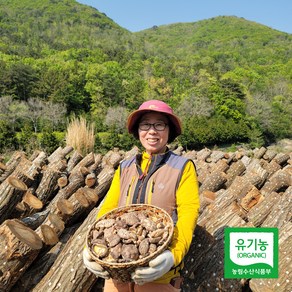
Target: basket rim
{"x":141,"y":261}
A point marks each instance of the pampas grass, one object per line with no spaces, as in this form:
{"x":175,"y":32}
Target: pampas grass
{"x":80,"y":135}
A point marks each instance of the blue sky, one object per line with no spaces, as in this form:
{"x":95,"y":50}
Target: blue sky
{"x":137,"y":15}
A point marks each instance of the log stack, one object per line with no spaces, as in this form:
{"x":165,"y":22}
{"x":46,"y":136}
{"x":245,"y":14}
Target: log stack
{"x":48,"y":202}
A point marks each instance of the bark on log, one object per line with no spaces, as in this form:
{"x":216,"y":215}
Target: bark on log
{"x":252,"y":198}
{"x":104,"y":180}
{"x":50,"y":230}
{"x":60,"y":153}
{"x":191,"y":155}
{"x":68,"y":272}
{"x":206,"y":198}
{"x":260,"y":212}
{"x":48,"y":183}
{"x":281,"y":212}
{"x":271,"y":167}
{"x":77,"y":206}
{"x":203,"y":170}
{"x":234,"y":170}
{"x":213,"y":182}
{"x":203,"y":154}
{"x":281,"y":158}
{"x":279,"y":180}
{"x":112,"y":158}
{"x":224,"y":200}
{"x":269,"y":155}
{"x":19,"y":246}
{"x":85,"y":162}
{"x":256,"y":174}
{"x":220,"y":165}
{"x":29,"y":205}
{"x":42,"y":264}
{"x":229,"y":217}
{"x":2,"y":167}
{"x":74,"y":160}
{"x":39,"y":159}
{"x":11,"y":192}
{"x":35,"y":220}
{"x":76,"y":181}
{"x":11,"y":164}
{"x":283,"y":282}
{"x":259,"y":153}
{"x":208,"y":273}
{"x":96,"y":166}
{"x":201,"y":243}
{"x":215,"y":156}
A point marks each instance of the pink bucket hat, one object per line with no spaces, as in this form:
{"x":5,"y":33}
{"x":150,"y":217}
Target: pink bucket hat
{"x":156,"y":106}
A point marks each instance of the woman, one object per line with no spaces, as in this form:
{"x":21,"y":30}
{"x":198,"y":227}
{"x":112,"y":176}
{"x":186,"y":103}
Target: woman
{"x":161,"y":178}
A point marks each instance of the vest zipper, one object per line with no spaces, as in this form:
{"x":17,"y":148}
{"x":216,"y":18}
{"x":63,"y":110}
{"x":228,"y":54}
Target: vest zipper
{"x":128,"y":197}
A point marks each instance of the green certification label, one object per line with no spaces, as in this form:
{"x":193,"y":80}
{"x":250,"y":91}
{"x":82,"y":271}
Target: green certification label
{"x":250,"y":252}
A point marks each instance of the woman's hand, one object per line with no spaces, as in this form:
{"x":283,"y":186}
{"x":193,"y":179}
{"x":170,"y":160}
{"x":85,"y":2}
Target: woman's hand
{"x":94,"y":267}
{"x":157,"y":268}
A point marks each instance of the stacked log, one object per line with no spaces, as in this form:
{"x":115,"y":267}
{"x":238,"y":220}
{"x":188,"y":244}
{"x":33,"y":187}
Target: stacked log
{"x":51,"y":205}
{"x":257,"y":193}
{"x":48,"y":202}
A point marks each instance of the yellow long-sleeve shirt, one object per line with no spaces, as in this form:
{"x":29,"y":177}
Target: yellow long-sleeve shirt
{"x":187,"y":201}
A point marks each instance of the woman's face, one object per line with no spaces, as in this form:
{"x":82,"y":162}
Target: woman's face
{"x":154,"y":141}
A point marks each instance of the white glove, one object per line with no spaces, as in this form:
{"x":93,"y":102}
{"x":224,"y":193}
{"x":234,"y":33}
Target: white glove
{"x":157,"y":268}
{"x":94,"y":267}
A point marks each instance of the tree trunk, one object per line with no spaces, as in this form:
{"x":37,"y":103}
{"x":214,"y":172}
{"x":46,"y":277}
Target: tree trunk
{"x":50,"y":230}
{"x":68,"y":272}
{"x":234,"y":170}
{"x":11,"y":164}
{"x":260,"y":211}
{"x":60,"y":153}
{"x":74,"y":160}
{"x":19,"y":246}
{"x":11,"y":191}
{"x":279,"y":180}
{"x":76,"y":181}
{"x":213,"y":182}
{"x":42,"y":264}
{"x":281,"y":212}
{"x":283,"y":282}
{"x":48,"y":183}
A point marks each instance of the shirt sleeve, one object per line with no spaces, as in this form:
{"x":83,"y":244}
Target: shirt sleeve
{"x":111,"y":200}
{"x":188,"y":204}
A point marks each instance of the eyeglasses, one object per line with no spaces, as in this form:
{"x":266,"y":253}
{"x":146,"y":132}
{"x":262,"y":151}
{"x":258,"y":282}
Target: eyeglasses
{"x":160,"y":126}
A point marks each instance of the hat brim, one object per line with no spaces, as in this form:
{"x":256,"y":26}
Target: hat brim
{"x":135,"y":116}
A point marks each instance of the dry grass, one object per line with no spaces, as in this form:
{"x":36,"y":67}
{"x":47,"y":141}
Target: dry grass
{"x":80,"y":135}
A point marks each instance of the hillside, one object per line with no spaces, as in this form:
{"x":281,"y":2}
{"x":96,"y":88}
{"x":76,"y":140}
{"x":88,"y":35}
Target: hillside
{"x":223,"y":36}
{"x":229,"y":79}
{"x":28,"y":27}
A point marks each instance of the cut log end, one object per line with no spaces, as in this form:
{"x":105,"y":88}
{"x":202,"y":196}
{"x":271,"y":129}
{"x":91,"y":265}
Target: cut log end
{"x":91,"y":195}
{"x":62,"y":181}
{"x":50,"y":236}
{"x":65,"y":207}
{"x":3,"y":166}
{"x":32,"y":201}
{"x":16,"y":183}
{"x":90,"y":180}
{"x":81,"y":198}
{"x":57,"y":222}
{"x":25,"y":234}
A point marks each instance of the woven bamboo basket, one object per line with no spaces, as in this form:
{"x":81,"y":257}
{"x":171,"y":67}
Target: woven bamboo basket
{"x":122,"y":271}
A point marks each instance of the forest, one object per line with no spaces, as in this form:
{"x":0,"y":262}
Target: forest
{"x":228,"y":78}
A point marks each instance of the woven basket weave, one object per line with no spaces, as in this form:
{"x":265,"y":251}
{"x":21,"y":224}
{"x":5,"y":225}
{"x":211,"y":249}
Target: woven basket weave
{"x":122,"y":271}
